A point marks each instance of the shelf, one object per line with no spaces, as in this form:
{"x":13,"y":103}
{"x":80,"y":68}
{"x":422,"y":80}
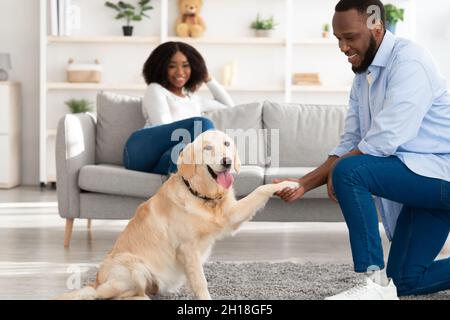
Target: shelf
{"x":9,"y":83}
{"x":255,"y":89}
{"x":232,"y":40}
{"x":321,"y":89}
{"x":94,"y":86}
{"x":102,"y":39}
{"x":208,"y":40}
{"x":156,"y":40}
{"x":141,"y":87}
{"x":316,"y":41}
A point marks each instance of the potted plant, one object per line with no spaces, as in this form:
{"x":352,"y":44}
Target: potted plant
{"x":325,"y":30}
{"x":130,"y":13}
{"x":393,"y":15}
{"x":79,"y":105}
{"x":263,"y":27}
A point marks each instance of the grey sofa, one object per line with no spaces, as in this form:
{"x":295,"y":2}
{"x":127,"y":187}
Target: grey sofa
{"x":291,"y":140}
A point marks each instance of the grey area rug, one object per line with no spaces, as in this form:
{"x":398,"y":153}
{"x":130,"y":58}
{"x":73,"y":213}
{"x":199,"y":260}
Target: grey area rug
{"x":277,"y":281}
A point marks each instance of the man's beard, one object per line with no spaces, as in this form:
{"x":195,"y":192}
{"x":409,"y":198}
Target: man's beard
{"x":368,"y":57}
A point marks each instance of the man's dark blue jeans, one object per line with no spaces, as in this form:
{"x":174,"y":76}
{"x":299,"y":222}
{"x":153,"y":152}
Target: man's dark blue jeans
{"x":422,"y":227}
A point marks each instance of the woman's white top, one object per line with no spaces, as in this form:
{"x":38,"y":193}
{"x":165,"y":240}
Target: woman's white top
{"x":160,"y":106}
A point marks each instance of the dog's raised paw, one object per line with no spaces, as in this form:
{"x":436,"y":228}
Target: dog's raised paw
{"x":289,"y":184}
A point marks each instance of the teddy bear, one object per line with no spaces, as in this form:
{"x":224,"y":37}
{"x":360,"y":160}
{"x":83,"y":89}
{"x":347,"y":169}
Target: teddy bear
{"x":189,"y":22}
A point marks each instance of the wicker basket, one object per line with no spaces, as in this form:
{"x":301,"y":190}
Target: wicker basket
{"x":84,"y":72}
{"x":306,"y":79}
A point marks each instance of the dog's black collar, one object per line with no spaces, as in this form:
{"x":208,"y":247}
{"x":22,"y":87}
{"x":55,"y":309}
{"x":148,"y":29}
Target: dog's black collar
{"x":211,"y":172}
{"x":195,"y":193}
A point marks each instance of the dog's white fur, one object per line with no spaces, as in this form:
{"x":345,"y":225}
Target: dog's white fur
{"x":171,"y":234}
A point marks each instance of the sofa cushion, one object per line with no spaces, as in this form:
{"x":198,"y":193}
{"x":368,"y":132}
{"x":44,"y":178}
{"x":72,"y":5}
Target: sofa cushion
{"x":116,"y":180}
{"x":118,"y":116}
{"x":244,"y":124}
{"x":107,"y":206}
{"x":250,"y":178}
{"x":307,"y":133}
{"x":295,"y":172}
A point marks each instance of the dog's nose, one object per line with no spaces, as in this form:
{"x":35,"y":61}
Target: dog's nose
{"x":226,"y":162}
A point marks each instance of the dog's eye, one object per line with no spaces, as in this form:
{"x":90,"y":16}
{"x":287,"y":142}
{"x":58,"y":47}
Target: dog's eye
{"x":208,"y":148}
{"x":226,"y":143}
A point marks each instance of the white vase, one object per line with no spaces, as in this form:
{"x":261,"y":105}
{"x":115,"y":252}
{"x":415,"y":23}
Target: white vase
{"x":263,"y":33}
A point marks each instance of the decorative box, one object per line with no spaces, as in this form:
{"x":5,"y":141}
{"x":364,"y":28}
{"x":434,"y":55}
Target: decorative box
{"x":84,"y":72}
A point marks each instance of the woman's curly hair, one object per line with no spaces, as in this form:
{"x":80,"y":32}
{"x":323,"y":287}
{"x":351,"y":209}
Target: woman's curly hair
{"x":156,"y":66}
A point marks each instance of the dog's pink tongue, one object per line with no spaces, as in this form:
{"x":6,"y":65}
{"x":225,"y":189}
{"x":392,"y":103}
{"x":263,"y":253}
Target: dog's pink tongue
{"x":225,"y":179}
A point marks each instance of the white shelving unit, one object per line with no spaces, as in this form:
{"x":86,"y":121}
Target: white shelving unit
{"x":100,"y":39}
{"x":10,"y":134}
{"x":296,"y":47}
{"x":141,"y":87}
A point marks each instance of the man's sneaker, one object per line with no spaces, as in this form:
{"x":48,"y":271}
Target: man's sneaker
{"x":371,"y":291}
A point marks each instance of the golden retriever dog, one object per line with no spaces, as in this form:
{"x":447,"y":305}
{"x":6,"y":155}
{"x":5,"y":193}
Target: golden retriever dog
{"x":172,"y":233}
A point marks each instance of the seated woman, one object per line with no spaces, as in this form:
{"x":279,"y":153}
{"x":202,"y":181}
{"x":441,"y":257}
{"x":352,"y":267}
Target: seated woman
{"x":174,"y":72}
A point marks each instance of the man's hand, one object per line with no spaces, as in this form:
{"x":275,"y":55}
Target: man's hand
{"x":289,"y":194}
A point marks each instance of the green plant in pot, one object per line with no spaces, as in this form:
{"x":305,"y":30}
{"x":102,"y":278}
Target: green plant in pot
{"x":325,"y":30}
{"x":79,"y":105}
{"x":263,"y":27}
{"x":393,"y":15}
{"x":130,"y":13}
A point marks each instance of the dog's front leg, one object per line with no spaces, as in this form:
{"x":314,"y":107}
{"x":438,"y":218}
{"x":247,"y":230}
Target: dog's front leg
{"x":193,"y":268}
{"x":244,"y":209}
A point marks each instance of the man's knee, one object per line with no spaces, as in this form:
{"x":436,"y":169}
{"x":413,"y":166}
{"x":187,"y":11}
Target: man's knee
{"x":344,"y":170}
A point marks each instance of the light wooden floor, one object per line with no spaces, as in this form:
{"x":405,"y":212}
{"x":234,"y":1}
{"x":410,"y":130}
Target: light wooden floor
{"x":35,"y":265}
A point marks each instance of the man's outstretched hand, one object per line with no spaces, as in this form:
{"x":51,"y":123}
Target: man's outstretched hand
{"x":289,"y":194}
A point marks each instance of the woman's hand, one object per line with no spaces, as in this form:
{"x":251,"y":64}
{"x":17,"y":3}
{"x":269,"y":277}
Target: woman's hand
{"x":289,"y":194}
{"x":208,"y":78}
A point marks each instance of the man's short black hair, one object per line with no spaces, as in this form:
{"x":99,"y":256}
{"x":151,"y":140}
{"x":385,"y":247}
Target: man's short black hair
{"x":156,"y":66}
{"x":361,"y":6}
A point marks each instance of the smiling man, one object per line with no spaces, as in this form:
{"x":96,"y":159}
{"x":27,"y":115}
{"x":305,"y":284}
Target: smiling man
{"x":356,"y":39}
{"x":396,"y":147}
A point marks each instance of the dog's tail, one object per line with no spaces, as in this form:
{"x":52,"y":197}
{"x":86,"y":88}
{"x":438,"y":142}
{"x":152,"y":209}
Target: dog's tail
{"x":134,"y":286}
{"x":86,"y":293}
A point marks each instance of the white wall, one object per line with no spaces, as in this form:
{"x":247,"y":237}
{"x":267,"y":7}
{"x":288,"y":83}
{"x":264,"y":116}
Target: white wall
{"x":19,"y":27}
{"x":19,"y":35}
{"x":433,"y":31}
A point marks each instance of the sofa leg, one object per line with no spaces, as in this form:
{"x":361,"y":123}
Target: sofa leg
{"x":68,"y":232}
{"x":89,"y":224}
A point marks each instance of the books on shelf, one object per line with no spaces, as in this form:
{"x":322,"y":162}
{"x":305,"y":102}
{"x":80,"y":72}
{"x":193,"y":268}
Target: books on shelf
{"x":54,"y":27}
{"x":64,"y":17}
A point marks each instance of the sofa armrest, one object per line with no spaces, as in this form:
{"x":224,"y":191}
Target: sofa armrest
{"x":75,"y":148}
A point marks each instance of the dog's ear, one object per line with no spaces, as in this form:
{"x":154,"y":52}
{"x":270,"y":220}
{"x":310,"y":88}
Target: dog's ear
{"x":186,"y":162}
{"x":237,"y":161}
